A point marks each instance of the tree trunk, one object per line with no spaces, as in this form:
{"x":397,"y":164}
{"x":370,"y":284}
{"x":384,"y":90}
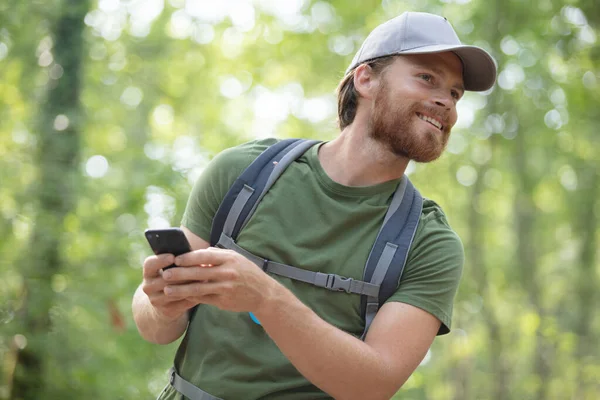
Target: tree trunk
{"x":476,"y":260}
{"x":527,"y":260}
{"x":587,"y":280}
{"x":57,"y":161}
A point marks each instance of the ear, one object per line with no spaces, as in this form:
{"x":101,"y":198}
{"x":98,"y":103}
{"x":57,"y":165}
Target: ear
{"x":365,"y":81}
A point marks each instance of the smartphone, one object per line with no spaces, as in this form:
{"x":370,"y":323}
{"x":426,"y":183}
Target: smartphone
{"x":168,"y":240}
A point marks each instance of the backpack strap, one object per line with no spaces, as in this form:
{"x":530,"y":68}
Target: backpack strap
{"x":187,"y":389}
{"x":390,"y":252}
{"x":243,"y":196}
{"x":332,"y":282}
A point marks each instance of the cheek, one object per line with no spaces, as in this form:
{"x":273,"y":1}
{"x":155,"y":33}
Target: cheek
{"x":453,"y":117}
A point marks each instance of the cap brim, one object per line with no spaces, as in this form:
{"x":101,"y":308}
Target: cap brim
{"x":479,"y":68}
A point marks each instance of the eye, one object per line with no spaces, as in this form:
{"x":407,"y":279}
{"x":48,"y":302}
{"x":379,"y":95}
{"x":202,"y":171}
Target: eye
{"x":426,"y":77}
{"x":456,"y":95}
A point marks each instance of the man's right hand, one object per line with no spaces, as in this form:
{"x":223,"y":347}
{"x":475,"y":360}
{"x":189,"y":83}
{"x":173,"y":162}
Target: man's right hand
{"x":161,"y":319}
{"x":167,"y":309}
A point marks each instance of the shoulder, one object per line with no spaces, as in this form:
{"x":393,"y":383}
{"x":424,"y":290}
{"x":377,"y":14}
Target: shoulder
{"x":241,"y":156}
{"x":228,"y":165}
{"x":434,"y":228}
{"x":436,"y":245}
{"x":214,"y":182}
{"x":432,"y":211}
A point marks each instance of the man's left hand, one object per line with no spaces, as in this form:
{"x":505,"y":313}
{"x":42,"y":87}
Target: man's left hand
{"x":219,"y":277}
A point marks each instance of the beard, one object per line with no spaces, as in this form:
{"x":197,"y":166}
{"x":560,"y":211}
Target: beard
{"x":394,"y":126}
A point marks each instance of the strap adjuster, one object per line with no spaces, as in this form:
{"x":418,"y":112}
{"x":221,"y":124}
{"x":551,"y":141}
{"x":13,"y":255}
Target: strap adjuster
{"x":338,"y":283}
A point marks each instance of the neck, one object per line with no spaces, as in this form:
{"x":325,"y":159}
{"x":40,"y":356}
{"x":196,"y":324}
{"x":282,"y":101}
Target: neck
{"x":354,"y":159}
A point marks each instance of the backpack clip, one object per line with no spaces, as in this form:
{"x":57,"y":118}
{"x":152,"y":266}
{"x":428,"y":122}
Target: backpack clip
{"x":338,"y":283}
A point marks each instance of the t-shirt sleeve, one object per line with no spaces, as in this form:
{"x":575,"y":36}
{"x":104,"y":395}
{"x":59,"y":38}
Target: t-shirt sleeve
{"x":433,"y":270}
{"x":214,"y":183}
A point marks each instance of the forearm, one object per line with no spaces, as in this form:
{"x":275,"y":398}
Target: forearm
{"x":151,"y":325}
{"x":336,"y":362}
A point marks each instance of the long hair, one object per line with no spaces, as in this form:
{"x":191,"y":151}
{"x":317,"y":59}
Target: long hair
{"x":347,"y":94}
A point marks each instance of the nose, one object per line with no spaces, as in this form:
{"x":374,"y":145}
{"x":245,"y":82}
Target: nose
{"x":444,"y":100}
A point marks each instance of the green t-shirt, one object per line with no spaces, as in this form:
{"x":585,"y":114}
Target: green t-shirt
{"x":309,"y":221}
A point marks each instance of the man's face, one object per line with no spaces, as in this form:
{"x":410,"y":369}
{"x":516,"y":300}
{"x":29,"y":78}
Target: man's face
{"x":414,"y":107}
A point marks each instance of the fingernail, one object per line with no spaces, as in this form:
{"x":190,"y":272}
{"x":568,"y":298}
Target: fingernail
{"x":177,"y":260}
{"x":167,"y":274}
{"x":168,"y":290}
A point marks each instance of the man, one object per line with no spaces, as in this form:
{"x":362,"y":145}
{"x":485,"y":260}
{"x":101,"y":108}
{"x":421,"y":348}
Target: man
{"x":397,"y":103}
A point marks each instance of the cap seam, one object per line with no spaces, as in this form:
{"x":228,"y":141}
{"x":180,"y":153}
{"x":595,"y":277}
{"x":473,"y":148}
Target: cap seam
{"x":438,"y":44}
{"x":404,"y":33}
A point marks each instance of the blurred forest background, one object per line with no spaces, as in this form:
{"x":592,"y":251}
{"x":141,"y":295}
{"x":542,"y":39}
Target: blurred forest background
{"x":110,"y":109}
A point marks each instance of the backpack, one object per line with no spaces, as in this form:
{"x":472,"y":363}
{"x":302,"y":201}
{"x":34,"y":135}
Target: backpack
{"x":385,"y":263}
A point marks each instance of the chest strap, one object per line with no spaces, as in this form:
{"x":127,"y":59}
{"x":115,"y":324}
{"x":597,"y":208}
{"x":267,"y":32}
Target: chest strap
{"x":187,"y":389}
{"x":332,"y":282}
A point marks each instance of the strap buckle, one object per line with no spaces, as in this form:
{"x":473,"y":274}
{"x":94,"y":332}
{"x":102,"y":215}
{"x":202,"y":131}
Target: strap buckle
{"x":338,"y":283}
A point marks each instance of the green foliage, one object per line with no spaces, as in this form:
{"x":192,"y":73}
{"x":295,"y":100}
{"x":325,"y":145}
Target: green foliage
{"x":163,"y":90}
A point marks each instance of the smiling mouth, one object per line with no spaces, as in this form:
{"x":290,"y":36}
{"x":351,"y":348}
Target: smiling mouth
{"x":432,"y":121}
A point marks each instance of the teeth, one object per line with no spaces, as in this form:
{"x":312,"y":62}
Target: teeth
{"x":430,"y":120}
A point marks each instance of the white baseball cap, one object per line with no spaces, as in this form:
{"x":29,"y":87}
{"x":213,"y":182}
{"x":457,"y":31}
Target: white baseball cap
{"x":419,"y":33}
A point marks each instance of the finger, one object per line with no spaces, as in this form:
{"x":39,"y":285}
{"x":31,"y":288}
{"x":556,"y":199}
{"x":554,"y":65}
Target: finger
{"x":160,"y":300}
{"x":212,"y":256}
{"x":156,"y":289}
{"x":153,"y":285}
{"x":199,"y":289}
{"x":153,"y":264}
{"x":189,"y":274}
